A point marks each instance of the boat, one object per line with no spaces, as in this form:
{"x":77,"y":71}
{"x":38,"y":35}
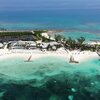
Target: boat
{"x":72,"y":60}
{"x":29,"y":59}
{"x":98,"y":54}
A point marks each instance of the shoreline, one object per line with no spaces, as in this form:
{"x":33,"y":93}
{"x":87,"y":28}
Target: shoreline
{"x":81,"y":57}
{"x":54,"y":31}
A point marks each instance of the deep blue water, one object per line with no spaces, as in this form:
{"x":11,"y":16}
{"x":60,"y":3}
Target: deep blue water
{"x":51,"y":19}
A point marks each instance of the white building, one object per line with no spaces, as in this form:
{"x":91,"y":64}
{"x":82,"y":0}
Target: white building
{"x":22,"y":44}
{"x":94,"y":42}
{"x":1,"y":45}
{"x":45,"y":35}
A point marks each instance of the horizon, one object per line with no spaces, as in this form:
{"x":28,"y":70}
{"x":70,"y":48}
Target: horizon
{"x":19,"y":5}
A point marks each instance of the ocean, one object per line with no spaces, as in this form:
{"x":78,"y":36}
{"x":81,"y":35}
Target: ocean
{"x":51,"y":78}
{"x":75,"y":22}
{"x":51,"y":19}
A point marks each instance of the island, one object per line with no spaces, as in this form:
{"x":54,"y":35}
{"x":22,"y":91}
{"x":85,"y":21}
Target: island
{"x":46,"y":65}
{"x":33,"y":44}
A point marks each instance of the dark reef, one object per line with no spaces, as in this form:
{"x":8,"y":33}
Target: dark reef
{"x":77,"y":88}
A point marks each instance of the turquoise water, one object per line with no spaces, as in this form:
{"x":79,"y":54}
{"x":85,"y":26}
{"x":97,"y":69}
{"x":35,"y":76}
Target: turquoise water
{"x":49,"y":78}
{"x":78,"y":34}
{"x":18,"y":69}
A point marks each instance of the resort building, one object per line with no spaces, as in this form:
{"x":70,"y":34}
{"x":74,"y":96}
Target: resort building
{"x":94,"y":42}
{"x":16,"y":36}
{"x":21,"y":45}
{"x":48,"y":36}
{"x":1,"y":45}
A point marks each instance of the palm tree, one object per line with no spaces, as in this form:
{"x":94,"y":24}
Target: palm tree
{"x":71,"y":43}
{"x":80,"y":40}
{"x":59,"y":38}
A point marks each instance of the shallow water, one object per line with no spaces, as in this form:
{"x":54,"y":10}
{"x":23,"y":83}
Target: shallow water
{"x":49,"y":78}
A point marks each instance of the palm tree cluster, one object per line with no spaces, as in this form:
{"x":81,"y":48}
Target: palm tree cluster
{"x":38,"y":35}
{"x":70,"y":43}
{"x":78,"y":43}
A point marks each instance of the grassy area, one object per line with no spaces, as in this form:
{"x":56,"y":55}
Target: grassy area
{"x":37,"y":32}
{"x":40,"y":31}
{"x":14,"y":33}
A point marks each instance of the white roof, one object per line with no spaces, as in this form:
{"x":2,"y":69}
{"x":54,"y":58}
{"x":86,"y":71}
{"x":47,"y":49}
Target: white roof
{"x":53,"y":43}
{"x":94,"y":43}
{"x":44,"y":45}
{"x":33,"y":44}
{"x":52,"y":38}
{"x":45,"y":35}
{"x":1,"y":45}
{"x":40,"y":41}
{"x":32,"y":32}
{"x":22,"y":42}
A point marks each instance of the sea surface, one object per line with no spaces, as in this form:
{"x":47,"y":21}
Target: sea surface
{"x":86,"y":20}
{"x":51,"y":78}
{"x":75,"y":22}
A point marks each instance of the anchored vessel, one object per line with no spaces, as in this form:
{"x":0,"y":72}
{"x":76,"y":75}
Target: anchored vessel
{"x":29,"y":59}
{"x":72,"y":60}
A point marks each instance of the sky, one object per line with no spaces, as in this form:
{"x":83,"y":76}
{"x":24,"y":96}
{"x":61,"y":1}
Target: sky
{"x":48,"y":4}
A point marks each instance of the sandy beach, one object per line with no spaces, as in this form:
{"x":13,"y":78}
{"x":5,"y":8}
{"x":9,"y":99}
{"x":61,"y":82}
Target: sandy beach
{"x":79,"y":56}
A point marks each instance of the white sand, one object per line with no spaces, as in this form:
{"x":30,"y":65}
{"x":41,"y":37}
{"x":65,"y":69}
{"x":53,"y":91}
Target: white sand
{"x":25,"y":54}
{"x":84,"y":55}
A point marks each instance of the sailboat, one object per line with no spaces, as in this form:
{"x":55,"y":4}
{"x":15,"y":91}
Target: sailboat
{"x":29,"y":59}
{"x":98,"y":53}
{"x":72,"y":60}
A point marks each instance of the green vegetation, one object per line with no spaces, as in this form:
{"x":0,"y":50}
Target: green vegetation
{"x":75,"y":43}
{"x":68,"y":43}
{"x":81,"y":40}
{"x":14,"y":33}
{"x":39,"y":31}
{"x":59,"y":38}
{"x":37,"y":34}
